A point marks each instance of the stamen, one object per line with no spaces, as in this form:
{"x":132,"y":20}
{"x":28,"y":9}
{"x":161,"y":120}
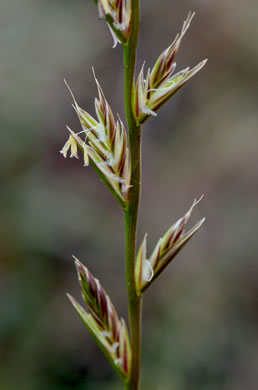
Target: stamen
{"x":148,"y":272}
{"x":85,"y":155}
{"x":65,"y":148}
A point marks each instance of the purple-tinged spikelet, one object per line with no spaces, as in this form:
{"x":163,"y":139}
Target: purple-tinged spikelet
{"x":148,"y":269}
{"x":119,"y":15}
{"x":104,"y":144}
{"x":102,"y":321}
{"x":161,"y":83}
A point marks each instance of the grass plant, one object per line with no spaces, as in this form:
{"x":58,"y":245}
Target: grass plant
{"x":115,"y":154}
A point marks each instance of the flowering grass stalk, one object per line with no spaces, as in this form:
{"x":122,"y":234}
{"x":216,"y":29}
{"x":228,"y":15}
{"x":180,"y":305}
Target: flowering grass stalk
{"x":115,"y":154}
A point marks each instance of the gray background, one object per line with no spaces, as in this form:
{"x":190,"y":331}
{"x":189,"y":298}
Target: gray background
{"x":201,"y":316}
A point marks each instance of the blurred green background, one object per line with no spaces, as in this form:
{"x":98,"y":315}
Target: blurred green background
{"x":201,"y":318}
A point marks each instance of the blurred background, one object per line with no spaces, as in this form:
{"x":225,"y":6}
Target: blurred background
{"x":201,"y":316}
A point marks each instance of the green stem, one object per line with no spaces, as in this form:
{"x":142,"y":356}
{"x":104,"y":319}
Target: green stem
{"x":131,"y":214}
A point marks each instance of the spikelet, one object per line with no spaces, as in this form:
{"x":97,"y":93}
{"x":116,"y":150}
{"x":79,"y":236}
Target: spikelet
{"x":160,"y":83}
{"x":101,"y":319}
{"x":148,"y":269}
{"x":118,"y":14}
{"x":105,"y":145}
